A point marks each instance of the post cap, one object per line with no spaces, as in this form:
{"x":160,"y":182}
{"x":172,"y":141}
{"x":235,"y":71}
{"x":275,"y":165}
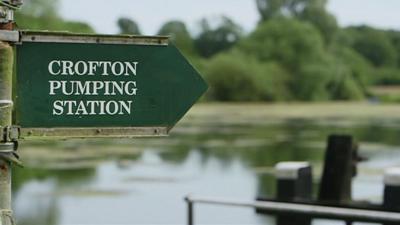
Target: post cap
{"x":290,"y":170}
{"x":392,"y":176}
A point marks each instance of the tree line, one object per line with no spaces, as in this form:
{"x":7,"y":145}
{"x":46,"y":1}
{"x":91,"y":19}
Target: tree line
{"x":297,"y":52}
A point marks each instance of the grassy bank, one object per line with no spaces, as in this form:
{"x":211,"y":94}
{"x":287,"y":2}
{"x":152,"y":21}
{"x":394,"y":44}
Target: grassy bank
{"x":339,"y":110}
{"x":219,"y":125}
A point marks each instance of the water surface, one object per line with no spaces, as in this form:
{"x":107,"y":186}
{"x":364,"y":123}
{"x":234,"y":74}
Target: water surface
{"x":144,"y":181}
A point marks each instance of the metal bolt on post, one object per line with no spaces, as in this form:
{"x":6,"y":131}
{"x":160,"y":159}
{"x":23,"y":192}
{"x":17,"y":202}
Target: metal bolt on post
{"x":8,"y":142}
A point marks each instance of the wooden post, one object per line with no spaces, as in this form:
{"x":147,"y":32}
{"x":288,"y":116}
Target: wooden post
{"x":6,"y":104}
{"x":339,"y":169}
{"x":391,"y":196}
{"x":6,"y":62}
{"x":294,"y":184}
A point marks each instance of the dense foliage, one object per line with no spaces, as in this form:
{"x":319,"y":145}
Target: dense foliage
{"x":128,"y":26}
{"x":43,"y":15}
{"x":180,"y":36}
{"x":297,"y":52}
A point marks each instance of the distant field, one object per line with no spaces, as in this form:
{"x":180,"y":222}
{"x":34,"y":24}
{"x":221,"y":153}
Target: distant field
{"x":386,"y":90}
{"x":387,"y":93}
{"x":339,"y":110}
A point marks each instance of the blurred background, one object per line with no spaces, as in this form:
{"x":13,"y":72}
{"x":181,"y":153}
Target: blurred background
{"x":283,"y":75}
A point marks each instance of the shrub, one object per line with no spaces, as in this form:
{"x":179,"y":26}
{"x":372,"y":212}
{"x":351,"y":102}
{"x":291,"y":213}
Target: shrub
{"x":235,"y":76}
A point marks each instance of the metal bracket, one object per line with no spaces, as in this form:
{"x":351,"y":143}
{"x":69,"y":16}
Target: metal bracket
{"x":7,"y":8}
{"x":9,"y":144}
{"x":8,"y":152}
{"x":10,"y":36}
{"x":6,"y":14}
{"x":7,"y":147}
{"x":10,"y":133}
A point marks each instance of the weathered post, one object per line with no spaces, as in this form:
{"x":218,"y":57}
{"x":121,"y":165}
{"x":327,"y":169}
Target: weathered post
{"x":7,"y":147}
{"x":6,"y":57}
{"x":294,"y":184}
{"x":391,"y":196}
{"x":339,"y":169}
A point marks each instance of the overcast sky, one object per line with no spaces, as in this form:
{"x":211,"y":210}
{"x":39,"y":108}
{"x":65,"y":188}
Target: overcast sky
{"x":151,"y":14}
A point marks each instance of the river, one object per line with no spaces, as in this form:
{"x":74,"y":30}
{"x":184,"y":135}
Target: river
{"x":213,"y":154}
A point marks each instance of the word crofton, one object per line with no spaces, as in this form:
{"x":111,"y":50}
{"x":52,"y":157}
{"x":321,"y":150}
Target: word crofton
{"x":91,"y":68}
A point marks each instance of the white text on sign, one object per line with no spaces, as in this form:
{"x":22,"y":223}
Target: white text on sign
{"x":63,"y":85}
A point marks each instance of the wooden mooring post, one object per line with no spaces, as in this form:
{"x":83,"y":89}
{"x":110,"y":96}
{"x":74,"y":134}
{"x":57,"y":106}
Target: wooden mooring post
{"x":339,"y":170}
{"x":294,"y":183}
{"x":391,"y":196}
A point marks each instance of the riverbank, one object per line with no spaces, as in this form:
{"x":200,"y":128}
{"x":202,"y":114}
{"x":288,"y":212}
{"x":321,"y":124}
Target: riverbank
{"x":348,"y":110}
{"x":227,"y":126}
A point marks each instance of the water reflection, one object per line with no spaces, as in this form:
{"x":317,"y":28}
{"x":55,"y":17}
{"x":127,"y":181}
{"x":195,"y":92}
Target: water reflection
{"x":144,"y":181}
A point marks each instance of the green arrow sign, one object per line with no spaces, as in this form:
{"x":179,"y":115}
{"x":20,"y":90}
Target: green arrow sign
{"x":90,"y":85}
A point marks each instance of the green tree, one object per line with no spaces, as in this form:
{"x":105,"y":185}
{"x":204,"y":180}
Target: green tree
{"x":387,"y":76}
{"x":287,"y":41}
{"x":347,"y":89}
{"x":270,"y":9}
{"x":313,"y":11}
{"x":180,"y":36}
{"x":311,"y":82}
{"x":174,"y":28}
{"x":375,"y":45}
{"x":234,"y":76}
{"x":40,"y":8}
{"x":395,"y":40}
{"x":40,"y":23}
{"x":359,"y":67}
{"x":324,"y":21}
{"x":128,"y":26}
{"x":299,"y":48}
{"x":43,"y":15}
{"x":343,"y":75}
{"x":212,"y":41}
